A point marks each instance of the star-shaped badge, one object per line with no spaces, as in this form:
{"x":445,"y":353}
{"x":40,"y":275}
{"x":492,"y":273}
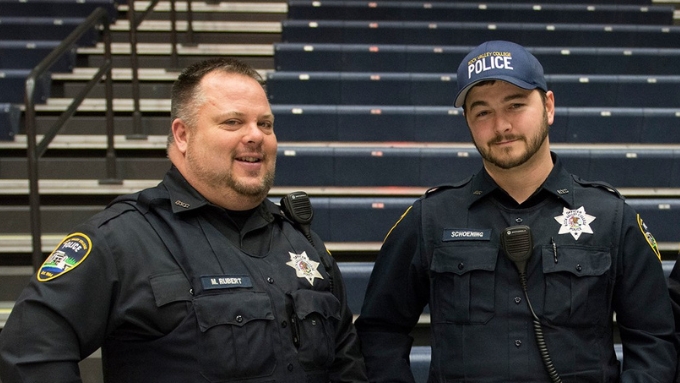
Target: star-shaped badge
{"x":575,"y":222}
{"x":304,"y":267}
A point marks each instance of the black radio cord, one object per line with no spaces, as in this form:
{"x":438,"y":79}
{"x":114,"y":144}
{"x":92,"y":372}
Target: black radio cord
{"x":540,"y":339}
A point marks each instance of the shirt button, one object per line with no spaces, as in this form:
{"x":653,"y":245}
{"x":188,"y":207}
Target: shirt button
{"x":239,"y":318}
{"x":270,"y":279}
{"x":284,"y":324}
{"x":461,"y":266}
{"x":578,"y":268}
{"x":290,"y":367}
{"x":518,"y":300}
{"x":518,"y":343}
{"x":518,"y":220}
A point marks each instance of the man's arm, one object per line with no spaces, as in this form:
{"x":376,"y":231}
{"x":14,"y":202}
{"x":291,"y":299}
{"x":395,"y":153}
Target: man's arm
{"x":674,"y":290}
{"x":397,"y":292}
{"x":56,"y":323}
{"x":348,"y":365}
{"x":643,"y":309}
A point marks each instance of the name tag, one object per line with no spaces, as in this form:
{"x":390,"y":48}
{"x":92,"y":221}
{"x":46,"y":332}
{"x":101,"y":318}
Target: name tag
{"x":466,"y":235}
{"x":213,"y":282}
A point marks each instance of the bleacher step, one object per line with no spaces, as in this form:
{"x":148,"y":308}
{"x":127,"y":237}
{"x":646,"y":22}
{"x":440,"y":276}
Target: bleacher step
{"x":144,"y":49}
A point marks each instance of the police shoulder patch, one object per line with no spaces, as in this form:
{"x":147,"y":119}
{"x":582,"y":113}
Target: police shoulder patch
{"x":649,"y":237}
{"x":70,"y":253}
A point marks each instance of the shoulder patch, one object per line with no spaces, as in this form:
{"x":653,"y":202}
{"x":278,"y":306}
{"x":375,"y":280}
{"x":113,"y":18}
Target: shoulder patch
{"x":598,"y":184}
{"x":649,"y":237}
{"x":70,"y":253}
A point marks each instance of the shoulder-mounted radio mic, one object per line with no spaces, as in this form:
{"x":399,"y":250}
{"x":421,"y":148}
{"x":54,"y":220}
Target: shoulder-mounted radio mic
{"x":518,"y":245}
{"x":297,"y":207}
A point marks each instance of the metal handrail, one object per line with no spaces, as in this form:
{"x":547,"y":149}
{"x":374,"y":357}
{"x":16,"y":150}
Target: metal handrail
{"x":139,"y":131}
{"x":99,"y":17}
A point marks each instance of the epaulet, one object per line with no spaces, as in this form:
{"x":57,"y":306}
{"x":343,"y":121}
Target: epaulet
{"x":598,"y":184}
{"x":455,"y":185}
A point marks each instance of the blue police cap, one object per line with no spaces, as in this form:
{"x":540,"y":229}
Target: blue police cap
{"x":499,"y":60}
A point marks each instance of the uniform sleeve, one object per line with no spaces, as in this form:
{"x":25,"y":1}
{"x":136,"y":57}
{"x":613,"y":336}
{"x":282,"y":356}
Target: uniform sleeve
{"x":61,"y":317}
{"x":674,"y":290}
{"x":396,"y":294}
{"x":348,"y":365}
{"x":643,"y":307}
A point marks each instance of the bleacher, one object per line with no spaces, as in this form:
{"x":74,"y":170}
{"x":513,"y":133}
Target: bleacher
{"x":363,"y":97}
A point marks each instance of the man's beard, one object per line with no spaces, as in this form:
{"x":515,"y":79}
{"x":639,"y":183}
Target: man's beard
{"x":225,"y":181}
{"x":533,"y":145}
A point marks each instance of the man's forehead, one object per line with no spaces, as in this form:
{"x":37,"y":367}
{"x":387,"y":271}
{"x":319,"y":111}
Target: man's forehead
{"x":492,"y":87}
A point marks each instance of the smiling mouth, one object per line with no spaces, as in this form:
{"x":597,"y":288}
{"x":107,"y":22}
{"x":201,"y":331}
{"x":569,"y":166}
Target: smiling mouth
{"x":250,"y":160}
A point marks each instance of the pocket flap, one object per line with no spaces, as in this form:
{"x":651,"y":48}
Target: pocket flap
{"x":169,"y":288}
{"x":235,"y":309}
{"x":311,"y":301}
{"x":464,"y":259}
{"x":579,"y":261}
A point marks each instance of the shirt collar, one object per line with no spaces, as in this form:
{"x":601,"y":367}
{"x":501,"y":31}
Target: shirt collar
{"x":559,"y":183}
{"x":185,"y":198}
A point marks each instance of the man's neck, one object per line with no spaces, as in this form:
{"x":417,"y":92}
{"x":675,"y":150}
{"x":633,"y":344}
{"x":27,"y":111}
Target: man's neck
{"x":522,"y":181}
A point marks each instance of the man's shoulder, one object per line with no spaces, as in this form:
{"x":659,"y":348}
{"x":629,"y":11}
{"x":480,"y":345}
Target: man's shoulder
{"x":447,"y":188}
{"x":127,"y":207}
{"x":600,"y":187}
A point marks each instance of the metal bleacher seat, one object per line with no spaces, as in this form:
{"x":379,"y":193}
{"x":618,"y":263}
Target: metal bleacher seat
{"x":494,"y":12}
{"x":44,"y":28}
{"x":21,"y":54}
{"x":338,"y":57}
{"x":56,"y":8}
{"x":385,"y":164}
{"x":474,"y":33}
{"x":660,"y":215}
{"x":369,"y":88}
{"x":13,"y":83}
{"x":656,"y":167}
{"x":374,"y":123}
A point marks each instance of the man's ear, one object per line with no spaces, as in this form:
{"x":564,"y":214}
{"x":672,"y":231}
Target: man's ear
{"x":180,"y":132}
{"x":550,"y":106}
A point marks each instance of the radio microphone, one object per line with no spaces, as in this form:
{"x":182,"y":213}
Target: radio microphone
{"x":518,"y":245}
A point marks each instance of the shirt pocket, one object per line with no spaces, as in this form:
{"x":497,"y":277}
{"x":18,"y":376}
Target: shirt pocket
{"x":236,"y":330}
{"x":463,"y":282}
{"x":171,"y":293}
{"x":577,"y":285}
{"x":315,"y":319}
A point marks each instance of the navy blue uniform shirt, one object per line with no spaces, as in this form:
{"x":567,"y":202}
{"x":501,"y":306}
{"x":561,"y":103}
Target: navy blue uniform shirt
{"x":591,"y":260}
{"x":172,"y":289}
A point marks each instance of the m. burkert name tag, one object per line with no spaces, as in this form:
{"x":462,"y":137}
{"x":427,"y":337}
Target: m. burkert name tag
{"x":212,"y":282}
{"x":466,"y":235}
